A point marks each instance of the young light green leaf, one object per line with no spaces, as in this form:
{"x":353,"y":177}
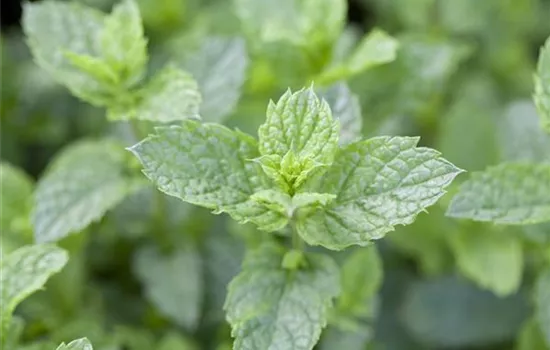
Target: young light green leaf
{"x":361,"y":279}
{"x":493,"y":260}
{"x":171,"y":95}
{"x":301,"y":123}
{"x":84,"y":182}
{"x":374,"y":49}
{"x":219,"y":66}
{"x":16,"y":188}
{"x":512,"y":193}
{"x":78,"y":344}
{"x":25,"y":271}
{"x":520,"y":135}
{"x":207,"y":165}
{"x":173,"y":283}
{"x":123,"y":45}
{"x":345,"y":107}
{"x":270,"y":307}
{"x":542,"y":85}
{"x":313,"y":23}
{"x":380,"y":183}
{"x":542,"y":302}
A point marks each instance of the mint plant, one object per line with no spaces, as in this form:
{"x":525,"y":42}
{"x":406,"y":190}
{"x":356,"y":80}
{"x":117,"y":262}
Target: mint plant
{"x":295,"y":175}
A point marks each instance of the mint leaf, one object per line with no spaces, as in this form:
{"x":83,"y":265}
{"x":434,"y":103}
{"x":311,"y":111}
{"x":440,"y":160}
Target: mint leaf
{"x":520,"y":135}
{"x":374,"y":49}
{"x":511,"y":194}
{"x":123,"y":44}
{"x":53,"y":28}
{"x":78,"y":344}
{"x":270,"y":307}
{"x":379,"y":183}
{"x":542,"y":85}
{"x":345,"y":107}
{"x":542,"y":302}
{"x":84,"y":182}
{"x":493,"y":260}
{"x":314,"y":23}
{"x":25,"y":271}
{"x":173,"y":282}
{"x":16,"y":188}
{"x":207,"y":165}
{"x":302,"y":124}
{"x":361,"y":278}
{"x":219,"y":65}
{"x":171,"y":95}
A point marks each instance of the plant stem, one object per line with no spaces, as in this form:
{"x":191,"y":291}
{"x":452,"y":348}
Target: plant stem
{"x":297,"y":241}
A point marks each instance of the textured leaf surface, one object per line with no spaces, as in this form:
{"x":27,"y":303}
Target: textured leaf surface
{"x":219,"y":66}
{"x":301,"y":123}
{"x":493,"y":260}
{"x":78,"y":344}
{"x":505,"y":194}
{"x":53,"y":28}
{"x":520,"y":136}
{"x":448,"y":313}
{"x":123,"y":44}
{"x":273,"y":308}
{"x":379,"y":183}
{"x":83,"y":183}
{"x":345,"y":107}
{"x":25,"y":271}
{"x":542,"y":302}
{"x":173,"y":283}
{"x":207,"y":165}
{"x":542,"y":85}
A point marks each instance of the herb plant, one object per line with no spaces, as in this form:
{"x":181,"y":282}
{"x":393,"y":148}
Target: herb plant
{"x":304,"y":183}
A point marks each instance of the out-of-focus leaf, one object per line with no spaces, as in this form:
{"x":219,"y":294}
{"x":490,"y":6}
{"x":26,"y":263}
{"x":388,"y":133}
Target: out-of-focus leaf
{"x":520,"y":135}
{"x":171,"y":95}
{"x":467,"y":136}
{"x":175,"y":341}
{"x":492,"y":259}
{"x":345,"y":107}
{"x":84,"y":182}
{"x":511,"y":193}
{"x":25,"y":271}
{"x":16,"y":188}
{"x":530,"y":337}
{"x":542,"y":303}
{"x":219,"y":65}
{"x":173,"y":282}
{"x":448,"y":312}
{"x":334,"y":338}
{"x":78,"y":344}
{"x":374,"y":49}
{"x":310,"y":23}
{"x":542,"y":85}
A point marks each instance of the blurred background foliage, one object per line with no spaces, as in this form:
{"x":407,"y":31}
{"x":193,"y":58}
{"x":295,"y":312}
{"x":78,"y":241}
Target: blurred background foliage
{"x":152,"y":273}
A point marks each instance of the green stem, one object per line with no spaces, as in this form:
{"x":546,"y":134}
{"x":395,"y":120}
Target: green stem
{"x":297,"y":241}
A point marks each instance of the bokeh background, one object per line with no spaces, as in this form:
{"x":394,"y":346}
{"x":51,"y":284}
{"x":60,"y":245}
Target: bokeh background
{"x":462,"y":81}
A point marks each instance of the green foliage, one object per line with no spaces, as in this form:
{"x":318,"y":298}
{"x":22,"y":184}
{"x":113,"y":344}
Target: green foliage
{"x":514,"y":193}
{"x":25,"y":271}
{"x":269,"y":306}
{"x":78,"y":344}
{"x":338,"y":164}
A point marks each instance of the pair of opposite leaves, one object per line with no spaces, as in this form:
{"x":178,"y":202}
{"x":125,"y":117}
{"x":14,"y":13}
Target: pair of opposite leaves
{"x":336,"y":195}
